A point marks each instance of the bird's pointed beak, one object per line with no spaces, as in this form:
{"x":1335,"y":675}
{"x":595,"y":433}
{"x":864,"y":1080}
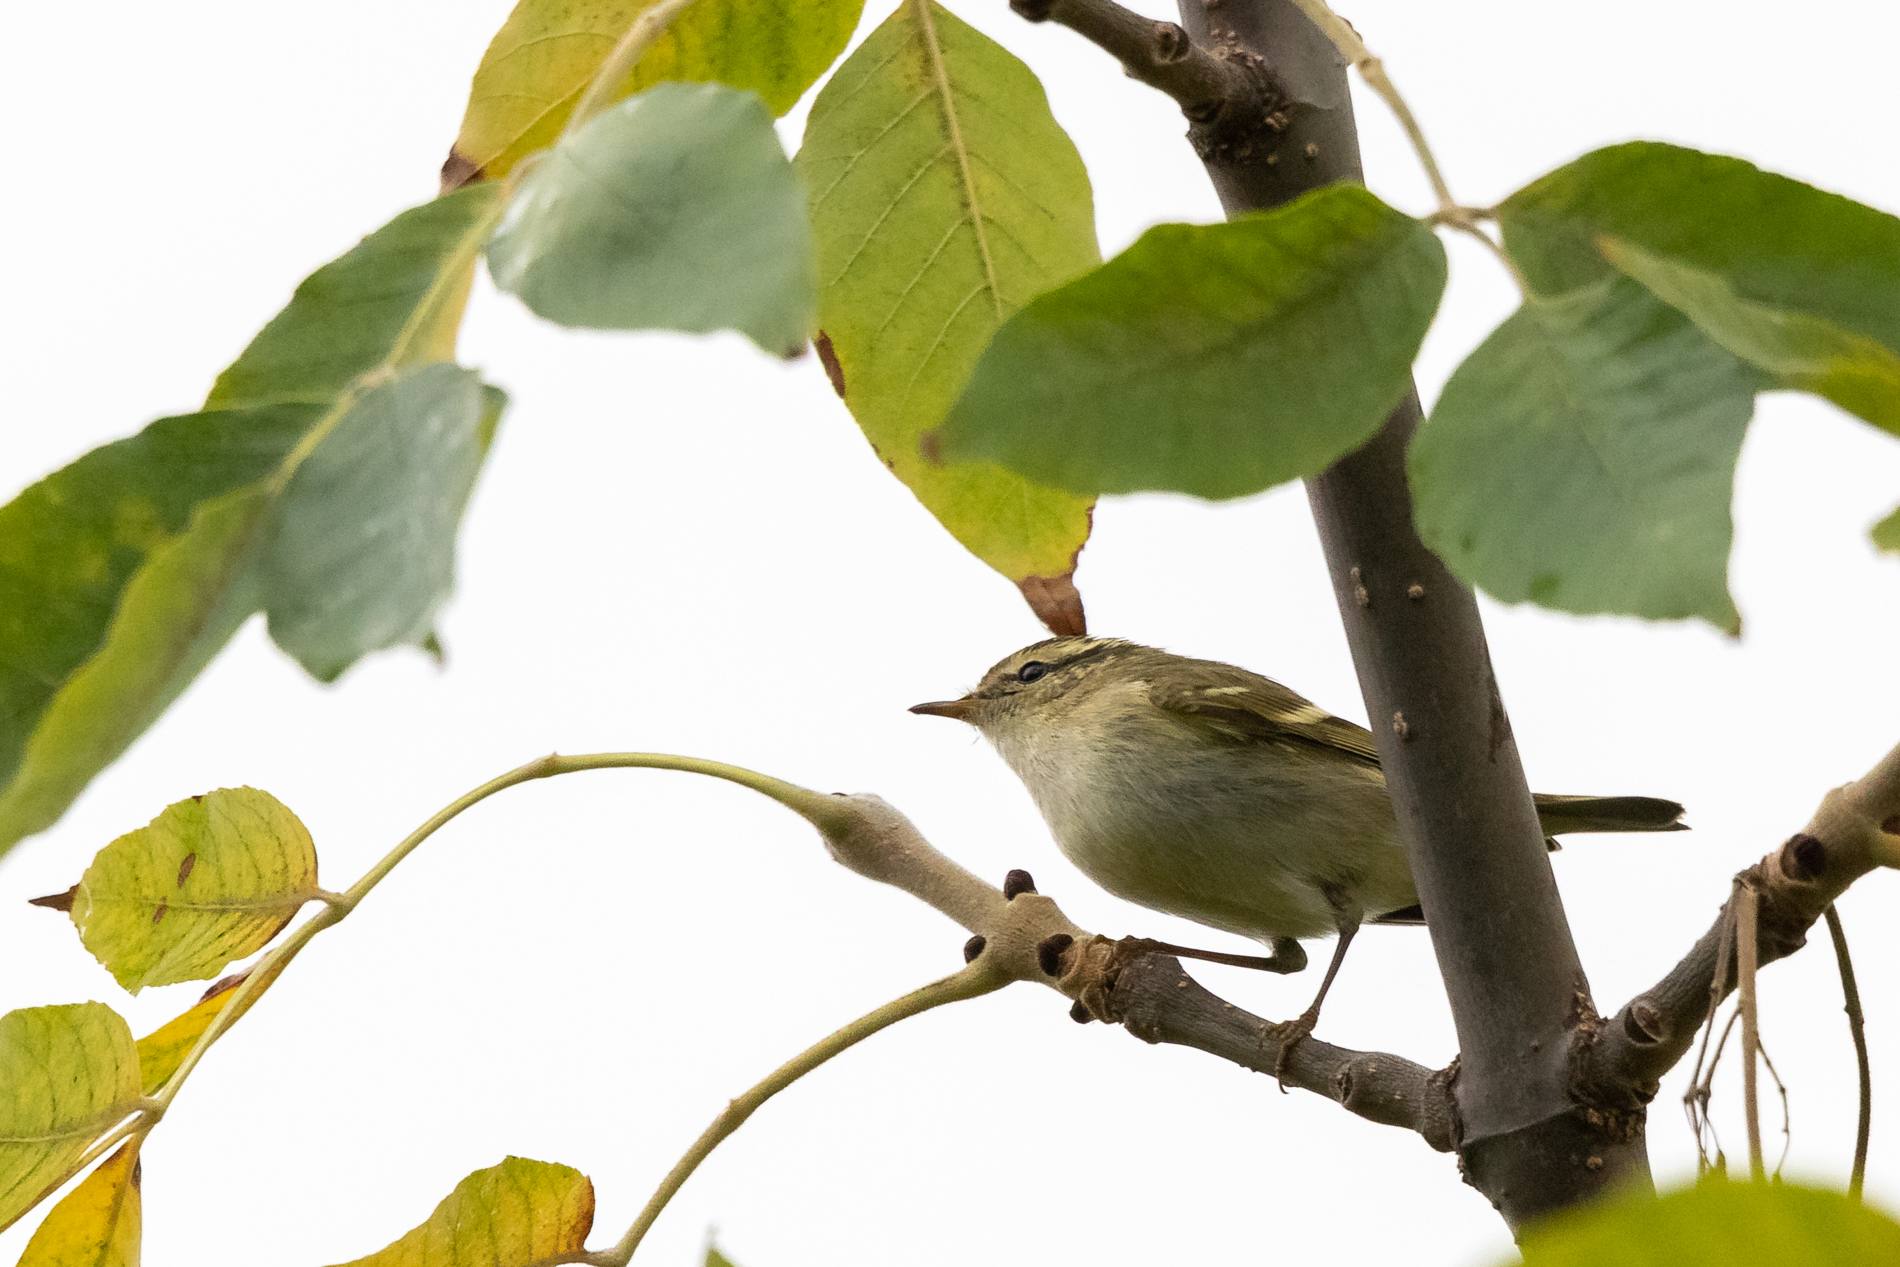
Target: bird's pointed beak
{"x":956,"y":709}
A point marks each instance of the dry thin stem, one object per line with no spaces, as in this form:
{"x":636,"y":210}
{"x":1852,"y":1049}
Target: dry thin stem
{"x":1745,"y":949}
{"x":1857,"y":1023}
{"x":1451,"y":212}
{"x":1372,"y":70}
{"x":1787,"y":1118}
{"x":977,"y":979}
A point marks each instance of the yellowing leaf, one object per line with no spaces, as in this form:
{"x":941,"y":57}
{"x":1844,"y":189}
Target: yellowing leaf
{"x":547,"y":52}
{"x":506,"y":1216}
{"x":67,"y":1076}
{"x":211,"y":879}
{"x":97,"y":1224}
{"x":944,"y":197}
{"x":165,"y":1048}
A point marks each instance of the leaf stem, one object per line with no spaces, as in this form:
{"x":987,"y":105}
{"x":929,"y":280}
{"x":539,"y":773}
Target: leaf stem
{"x":821,"y":811}
{"x":1372,"y":70}
{"x":1451,"y":213}
{"x":644,"y":32}
{"x":1857,"y":1023}
{"x":973,"y":981}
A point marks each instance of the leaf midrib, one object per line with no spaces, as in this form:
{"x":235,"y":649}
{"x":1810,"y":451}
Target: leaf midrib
{"x":933,"y":53}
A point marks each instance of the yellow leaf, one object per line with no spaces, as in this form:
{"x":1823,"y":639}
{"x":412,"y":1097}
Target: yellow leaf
{"x":211,"y":879}
{"x":165,"y":1048}
{"x":67,"y":1076}
{"x":506,"y":1216}
{"x":547,"y":52}
{"x":97,"y":1224}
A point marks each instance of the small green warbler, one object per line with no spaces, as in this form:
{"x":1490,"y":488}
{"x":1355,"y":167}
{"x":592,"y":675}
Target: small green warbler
{"x":1206,"y":791}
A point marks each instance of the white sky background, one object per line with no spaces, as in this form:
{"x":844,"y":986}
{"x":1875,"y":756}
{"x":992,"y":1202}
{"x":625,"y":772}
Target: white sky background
{"x":682,"y":545}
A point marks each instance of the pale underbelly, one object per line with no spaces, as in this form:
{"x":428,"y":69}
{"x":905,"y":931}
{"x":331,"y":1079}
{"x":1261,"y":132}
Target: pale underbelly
{"x":1267,"y":858}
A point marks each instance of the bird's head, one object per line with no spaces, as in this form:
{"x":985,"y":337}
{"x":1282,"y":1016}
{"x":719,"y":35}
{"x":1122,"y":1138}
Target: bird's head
{"x":1036,"y":682}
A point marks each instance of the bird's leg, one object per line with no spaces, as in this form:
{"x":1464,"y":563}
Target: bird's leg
{"x":1346,"y":918}
{"x":1288,"y":955}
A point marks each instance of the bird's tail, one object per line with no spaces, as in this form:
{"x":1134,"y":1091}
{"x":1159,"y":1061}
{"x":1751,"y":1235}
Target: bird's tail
{"x":1562,"y":814}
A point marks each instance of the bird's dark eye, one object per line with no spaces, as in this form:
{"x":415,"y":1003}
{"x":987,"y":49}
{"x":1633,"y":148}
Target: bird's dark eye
{"x":1032,"y":671}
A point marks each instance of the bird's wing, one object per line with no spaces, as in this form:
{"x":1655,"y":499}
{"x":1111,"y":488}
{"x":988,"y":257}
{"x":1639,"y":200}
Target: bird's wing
{"x":1243,"y":707}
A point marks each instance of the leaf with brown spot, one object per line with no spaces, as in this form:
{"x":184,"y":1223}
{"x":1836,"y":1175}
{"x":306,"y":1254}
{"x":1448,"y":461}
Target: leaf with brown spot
{"x":256,"y":866}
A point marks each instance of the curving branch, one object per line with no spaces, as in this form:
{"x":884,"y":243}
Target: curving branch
{"x":1120,"y":983}
{"x":1618,"y":1063}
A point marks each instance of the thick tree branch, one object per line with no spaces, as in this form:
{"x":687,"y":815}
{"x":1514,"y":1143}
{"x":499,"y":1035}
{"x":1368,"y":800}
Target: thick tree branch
{"x":1228,"y":94}
{"x":1511,"y":970}
{"x":1620,"y":1062}
{"x":1028,"y":935}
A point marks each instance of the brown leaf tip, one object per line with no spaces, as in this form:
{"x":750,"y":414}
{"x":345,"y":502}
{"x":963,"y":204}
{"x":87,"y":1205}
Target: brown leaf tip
{"x":1057,"y":604}
{"x":224,"y":984}
{"x":829,"y":359}
{"x":56,"y":901}
{"x":458,"y":170}
{"x":184,"y":868}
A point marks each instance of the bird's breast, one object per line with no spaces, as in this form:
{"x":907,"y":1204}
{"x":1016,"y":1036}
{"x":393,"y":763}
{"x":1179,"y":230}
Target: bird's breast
{"x":1244,"y":837}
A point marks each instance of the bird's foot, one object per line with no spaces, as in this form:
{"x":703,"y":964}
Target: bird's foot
{"x":1288,"y":1035}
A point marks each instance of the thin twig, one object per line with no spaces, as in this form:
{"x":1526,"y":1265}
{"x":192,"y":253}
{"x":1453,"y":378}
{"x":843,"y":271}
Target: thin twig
{"x":1372,"y":70}
{"x":1697,"y":1097}
{"x":1745,"y":950}
{"x":977,"y":979}
{"x":1787,"y":1118}
{"x":1857,"y":1023}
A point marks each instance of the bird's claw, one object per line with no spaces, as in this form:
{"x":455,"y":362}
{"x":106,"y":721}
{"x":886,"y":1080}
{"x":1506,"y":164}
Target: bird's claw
{"x":1288,"y":1035}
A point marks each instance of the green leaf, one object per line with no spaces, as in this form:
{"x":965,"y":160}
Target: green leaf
{"x":211,"y":879}
{"x":165,"y":1048}
{"x":124,"y":573}
{"x":1717,"y":1224}
{"x":392,"y":301}
{"x":675,"y":209}
{"x":716,"y":1259}
{"x":548,"y":51}
{"x":1886,"y":533}
{"x":1211,"y":359}
{"x":1584,"y":457}
{"x":67,"y":1076}
{"x":174,"y":613}
{"x":510,"y":1215}
{"x":1799,"y":351}
{"x":361,"y":551}
{"x":97,"y":1224}
{"x":1803,"y":284}
{"x":944,"y":197}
